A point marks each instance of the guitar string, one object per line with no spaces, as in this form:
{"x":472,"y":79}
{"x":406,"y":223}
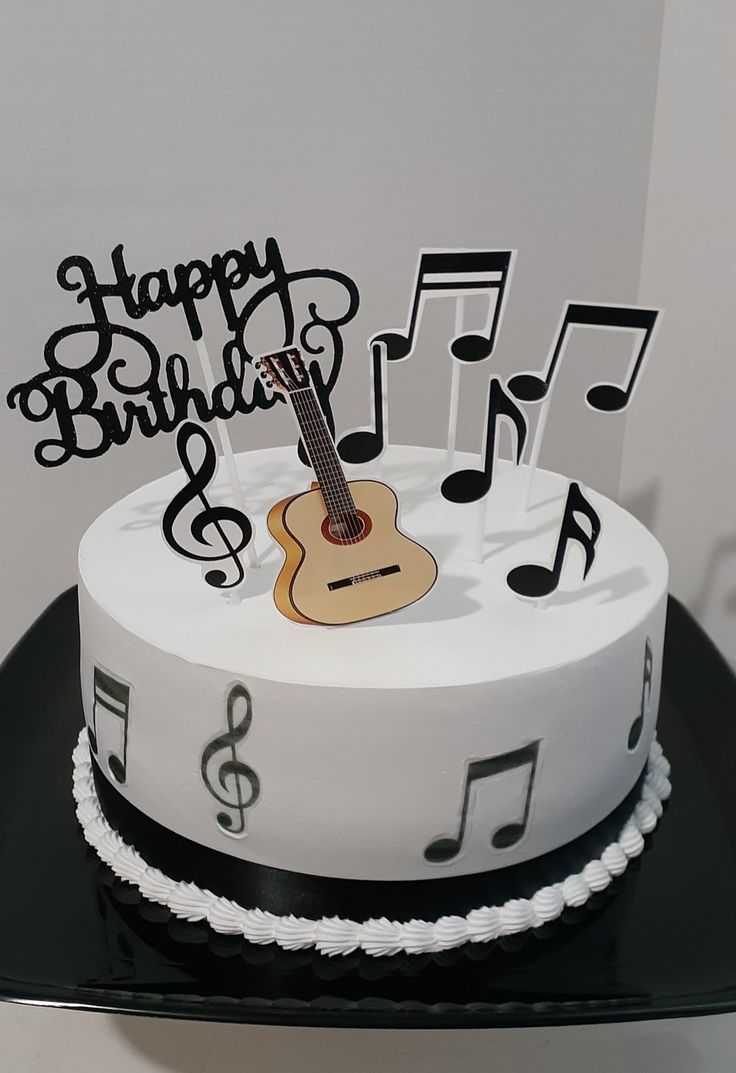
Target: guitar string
{"x":328,"y":470}
{"x":336,"y":500}
{"x":341,"y":503}
{"x":322,"y":450}
{"x":336,"y":487}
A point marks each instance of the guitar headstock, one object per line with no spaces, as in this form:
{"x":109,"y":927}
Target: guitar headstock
{"x":284,"y":370}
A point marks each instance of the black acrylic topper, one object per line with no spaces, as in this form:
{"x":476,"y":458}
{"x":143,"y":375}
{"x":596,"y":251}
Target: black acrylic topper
{"x":161,"y":397}
{"x":364,"y":444}
{"x":537,"y":581}
{"x":440,"y":274}
{"x":230,"y":529}
{"x":605,"y":398}
{"x":447,"y":273}
{"x":469,"y":485}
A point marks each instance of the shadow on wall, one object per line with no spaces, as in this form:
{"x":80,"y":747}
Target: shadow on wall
{"x":710,"y":597}
{"x":185,"y":1047}
{"x":643,"y":503}
{"x":713,"y":598}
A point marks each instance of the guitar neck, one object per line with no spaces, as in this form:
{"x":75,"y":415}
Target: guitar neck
{"x":322,"y":454}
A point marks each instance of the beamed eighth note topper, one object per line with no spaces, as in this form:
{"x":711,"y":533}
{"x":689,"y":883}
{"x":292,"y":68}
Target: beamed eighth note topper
{"x":443,"y":273}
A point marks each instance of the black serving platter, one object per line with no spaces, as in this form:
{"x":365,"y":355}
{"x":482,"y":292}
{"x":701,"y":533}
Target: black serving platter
{"x":661,"y":942}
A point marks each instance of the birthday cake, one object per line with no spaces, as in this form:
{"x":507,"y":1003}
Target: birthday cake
{"x":346,"y":694}
{"x":247,"y":757}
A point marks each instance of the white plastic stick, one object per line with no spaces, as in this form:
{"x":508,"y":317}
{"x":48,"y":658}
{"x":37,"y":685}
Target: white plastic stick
{"x":535,"y":449}
{"x":480,"y":538}
{"x":227,"y":449}
{"x":384,"y":410}
{"x":455,"y":386}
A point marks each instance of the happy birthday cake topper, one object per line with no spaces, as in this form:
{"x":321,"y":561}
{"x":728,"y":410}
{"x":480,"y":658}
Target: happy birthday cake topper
{"x":72,"y":392}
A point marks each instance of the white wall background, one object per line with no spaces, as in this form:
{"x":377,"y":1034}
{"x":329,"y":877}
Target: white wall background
{"x":678,"y":470}
{"x":355,"y":134}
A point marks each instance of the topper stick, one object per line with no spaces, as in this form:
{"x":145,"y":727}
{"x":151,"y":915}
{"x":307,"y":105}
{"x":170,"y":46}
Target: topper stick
{"x":534,"y":451}
{"x":480,"y":531}
{"x":227,"y":448}
{"x":384,"y":406}
{"x":455,"y":385}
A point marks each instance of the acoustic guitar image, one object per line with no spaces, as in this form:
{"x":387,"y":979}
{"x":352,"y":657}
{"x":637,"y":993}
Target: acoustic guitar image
{"x":346,"y":559}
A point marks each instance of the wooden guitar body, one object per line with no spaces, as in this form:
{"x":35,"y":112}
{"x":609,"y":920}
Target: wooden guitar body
{"x":330,"y":579}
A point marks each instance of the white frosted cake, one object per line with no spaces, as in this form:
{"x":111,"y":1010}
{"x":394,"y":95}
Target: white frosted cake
{"x":246,"y":768}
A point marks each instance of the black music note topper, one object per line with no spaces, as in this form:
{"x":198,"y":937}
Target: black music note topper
{"x":469,"y":485}
{"x":451,"y":273}
{"x":232,"y":773}
{"x":112,"y":696}
{"x":447,"y":847}
{"x":604,"y":398}
{"x":536,"y":581}
{"x":365,"y":444}
{"x":232,"y":529}
{"x":646,"y":697}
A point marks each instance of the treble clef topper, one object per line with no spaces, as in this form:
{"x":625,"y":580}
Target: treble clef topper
{"x":232,"y":773}
{"x":217,"y":533}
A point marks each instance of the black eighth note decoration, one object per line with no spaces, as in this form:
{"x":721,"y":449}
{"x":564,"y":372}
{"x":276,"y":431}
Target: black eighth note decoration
{"x":605,"y":398}
{"x":447,"y":847}
{"x":646,"y":697}
{"x":449,"y":273}
{"x":220,"y":544}
{"x":363,"y":445}
{"x":237,"y":785}
{"x":111,"y":696}
{"x":469,"y":485}
{"x":537,"y":581}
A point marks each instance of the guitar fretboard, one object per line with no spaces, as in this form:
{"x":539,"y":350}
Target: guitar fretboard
{"x":323,"y":456}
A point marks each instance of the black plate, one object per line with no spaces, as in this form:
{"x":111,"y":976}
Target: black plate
{"x":660,"y":942}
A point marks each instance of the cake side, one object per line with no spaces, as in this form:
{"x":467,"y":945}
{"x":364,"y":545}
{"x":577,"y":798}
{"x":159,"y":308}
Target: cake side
{"x":468,"y":733}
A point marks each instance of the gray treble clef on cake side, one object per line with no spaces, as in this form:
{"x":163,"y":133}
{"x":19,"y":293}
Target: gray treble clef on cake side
{"x":236,"y":785}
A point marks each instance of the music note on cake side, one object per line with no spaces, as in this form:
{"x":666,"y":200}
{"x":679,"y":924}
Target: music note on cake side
{"x":469,"y":485}
{"x":536,"y":581}
{"x":235,"y":784}
{"x":110,"y":697}
{"x":646,"y":697}
{"x":214,"y":533}
{"x":447,"y":847}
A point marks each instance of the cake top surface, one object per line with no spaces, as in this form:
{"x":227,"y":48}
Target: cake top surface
{"x":470,"y":628}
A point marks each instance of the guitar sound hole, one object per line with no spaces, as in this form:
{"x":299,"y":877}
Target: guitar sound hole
{"x":349,"y":531}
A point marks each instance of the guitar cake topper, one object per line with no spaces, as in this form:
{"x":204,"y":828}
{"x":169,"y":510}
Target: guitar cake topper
{"x":345,"y":558}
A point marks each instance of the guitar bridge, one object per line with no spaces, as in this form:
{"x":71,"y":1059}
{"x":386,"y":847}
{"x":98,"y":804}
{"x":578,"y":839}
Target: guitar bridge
{"x":358,"y":579}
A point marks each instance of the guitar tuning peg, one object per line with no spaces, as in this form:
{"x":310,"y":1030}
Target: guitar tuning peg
{"x":257,"y":365}
{"x":264,"y":375}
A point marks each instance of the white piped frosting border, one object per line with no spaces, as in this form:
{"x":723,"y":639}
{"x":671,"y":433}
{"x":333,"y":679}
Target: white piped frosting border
{"x":333,"y":936}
